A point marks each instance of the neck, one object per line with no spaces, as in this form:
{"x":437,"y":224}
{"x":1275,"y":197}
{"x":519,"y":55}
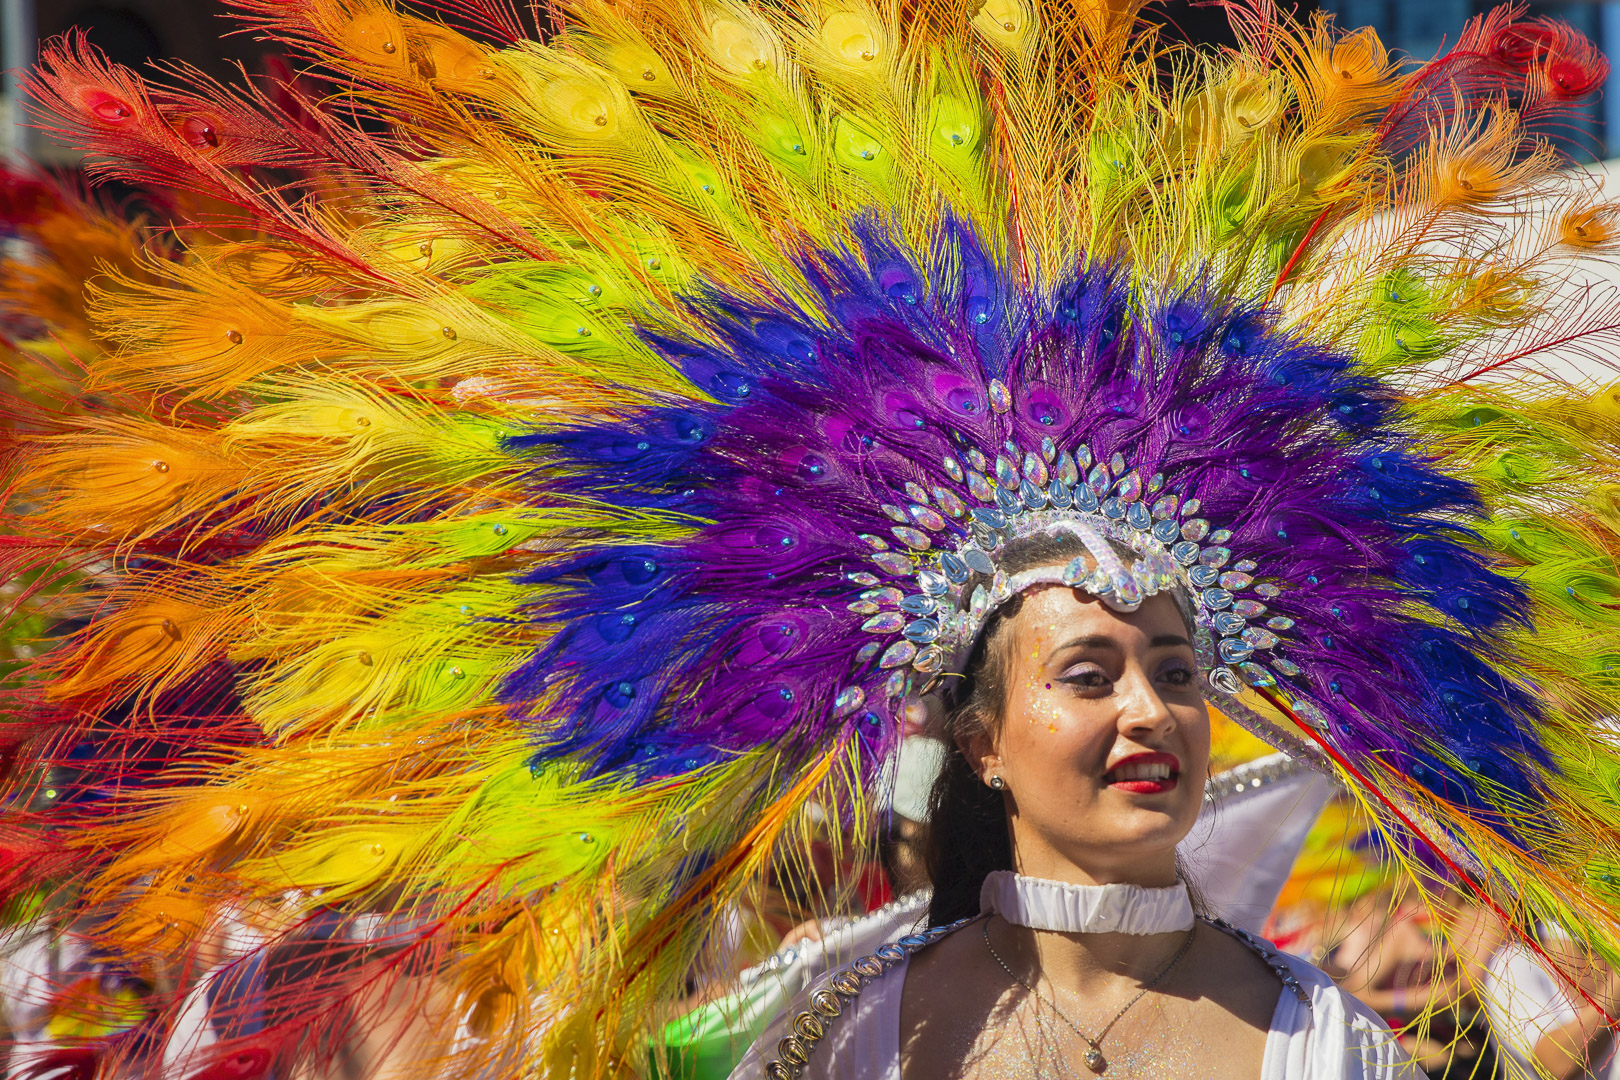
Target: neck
{"x":1084,"y":965}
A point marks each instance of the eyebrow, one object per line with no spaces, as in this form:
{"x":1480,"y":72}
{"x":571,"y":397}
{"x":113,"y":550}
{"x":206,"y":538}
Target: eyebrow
{"x":1103,"y":641}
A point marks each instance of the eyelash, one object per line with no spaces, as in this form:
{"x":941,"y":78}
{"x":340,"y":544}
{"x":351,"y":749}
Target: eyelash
{"x":1178,"y":677}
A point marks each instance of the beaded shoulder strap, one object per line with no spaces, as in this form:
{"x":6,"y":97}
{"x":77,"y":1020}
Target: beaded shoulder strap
{"x":830,"y":1001}
{"x":1268,"y":955}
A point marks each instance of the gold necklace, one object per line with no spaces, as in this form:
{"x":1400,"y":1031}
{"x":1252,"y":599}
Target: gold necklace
{"x":1094,"y":1056}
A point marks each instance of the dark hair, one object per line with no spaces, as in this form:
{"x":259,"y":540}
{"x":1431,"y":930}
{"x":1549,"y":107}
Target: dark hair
{"x":968,"y":835}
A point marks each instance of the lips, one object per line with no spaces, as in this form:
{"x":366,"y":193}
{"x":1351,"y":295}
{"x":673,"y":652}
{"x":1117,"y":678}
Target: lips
{"x":1144,"y":774}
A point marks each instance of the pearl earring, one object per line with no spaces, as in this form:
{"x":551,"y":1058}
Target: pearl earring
{"x":998,"y":783}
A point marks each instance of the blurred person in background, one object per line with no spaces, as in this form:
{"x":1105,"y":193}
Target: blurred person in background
{"x":1545,"y":1027}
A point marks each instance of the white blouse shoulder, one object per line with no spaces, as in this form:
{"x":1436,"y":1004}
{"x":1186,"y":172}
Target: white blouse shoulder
{"x":1318,"y":1032}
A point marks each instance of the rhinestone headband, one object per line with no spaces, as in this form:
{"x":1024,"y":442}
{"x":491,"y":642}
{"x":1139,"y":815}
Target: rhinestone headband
{"x":1066,"y":494}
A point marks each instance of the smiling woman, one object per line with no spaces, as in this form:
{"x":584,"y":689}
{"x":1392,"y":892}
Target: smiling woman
{"x":1063,"y":940}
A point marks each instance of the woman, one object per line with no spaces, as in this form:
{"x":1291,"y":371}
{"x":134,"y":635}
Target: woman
{"x":1079,"y":745}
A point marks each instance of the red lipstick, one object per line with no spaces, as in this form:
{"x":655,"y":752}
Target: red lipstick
{"x":1144,"y":774}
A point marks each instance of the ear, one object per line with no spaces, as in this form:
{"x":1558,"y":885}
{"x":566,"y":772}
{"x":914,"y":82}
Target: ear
{"x":980,"y":750}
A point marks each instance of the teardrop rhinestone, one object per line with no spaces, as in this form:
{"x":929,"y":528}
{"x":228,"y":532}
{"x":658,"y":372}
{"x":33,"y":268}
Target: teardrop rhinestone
{"x":1007,"y":499}
{"x":1227,"y":623}
{"x":889,"y":622}
{"x":1266,"y":590}
{"x":1222,"y":679}
{"x":1255,"y":675}
{"x":898,"y":655}
{"x":1203,"y":576}
{"x":953,"y":468}
{"x":919,"y":605}
{"x":867,"y":651}
{"x":1082,"y":457}
{"x":1066,"y":470}
{"x":1077,"y":570}
{"x":915,"y":493}
{"x":1192,"y":506}
{"x":848,"y":700}
{"x":932,"y":583}
{"x":1185,"y":553}
{"x":1035,"y":470}
{"x":1215,"y":556}
{"x":1117,"y":463}
{"x":954,"y":569}
{"x":1048,"y":448}
{"x":861,"y":577}
{"x":1113,"y":508}
{"x":1246,"y":566}
{"x":1284,"y":667}
{"x":915,"y":539}
{"x":1057,"y":492}
{"x":1166,"y":505}
{"x":1280,"y":622}
{"x":1099,"y":480}
{"x":1084,"y":498}
{"x":929,"y":660}
{"x":1216,"y":599}
{"x":979,"y":486}
{"x":893,"y":513}
{"x":1235,"y":581}
{"x":922,"y":631}
{"x":1258,"y":637}
{"x":925,"y":518}
{"x":989,"y":518}
{"x":1166,"y":531}
{"x":1220,"y":536}
{"x":1000,"y":396}
{"x":947,"y":500}
{"x":1129,"y":487}
{"x":1034,"y":497}
{"x":1006,"y":472}
{"x":1155,"y":482}
{"x":862,"y":607}
{"x":1233,"y":650}
{"x":1194,"y":529}
{"x":976,"y":459}
{"x":979,"y":603}
{"x":893,"y":564}
{"x":895,"y":685}
{"x":1249,"y":608}
{"x":1137,"y":515}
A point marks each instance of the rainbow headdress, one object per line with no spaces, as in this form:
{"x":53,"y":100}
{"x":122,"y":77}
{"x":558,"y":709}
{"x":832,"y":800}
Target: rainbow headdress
{"x":552,"y":466}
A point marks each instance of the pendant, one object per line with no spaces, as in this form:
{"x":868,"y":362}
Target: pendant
{"x":1095,"y":1060}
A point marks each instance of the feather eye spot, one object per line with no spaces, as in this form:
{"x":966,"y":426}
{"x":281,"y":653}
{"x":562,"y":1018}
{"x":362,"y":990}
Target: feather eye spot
{"x":160,"y":466}
{"x":389,"y":47}
{"x":449,"y":332}
{"x":364,"y":658}
{"x":199,"y":133}
{"x":234,"y":337}
{"x":499,"y":530}
{"x":649,"y":75}
{"x":111,"y":109}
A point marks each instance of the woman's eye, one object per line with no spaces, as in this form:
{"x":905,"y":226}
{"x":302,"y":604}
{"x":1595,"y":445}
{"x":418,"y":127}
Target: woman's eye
{"x":1086,"y":678}
{"x":1177,"y":676}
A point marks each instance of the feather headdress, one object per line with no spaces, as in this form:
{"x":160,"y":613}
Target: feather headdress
{"x":505,"y":531}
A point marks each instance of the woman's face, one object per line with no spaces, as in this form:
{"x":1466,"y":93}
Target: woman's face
{"x":1104,"y":740}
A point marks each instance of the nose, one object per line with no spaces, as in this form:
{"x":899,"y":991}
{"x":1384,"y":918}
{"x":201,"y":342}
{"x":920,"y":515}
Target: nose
{"x":1142,"y":709}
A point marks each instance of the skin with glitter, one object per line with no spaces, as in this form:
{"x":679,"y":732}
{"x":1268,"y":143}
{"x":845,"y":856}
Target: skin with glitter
{"x":1103,"y":746}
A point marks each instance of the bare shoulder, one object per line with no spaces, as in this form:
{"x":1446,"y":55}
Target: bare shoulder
{"x":1230,"y":975}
